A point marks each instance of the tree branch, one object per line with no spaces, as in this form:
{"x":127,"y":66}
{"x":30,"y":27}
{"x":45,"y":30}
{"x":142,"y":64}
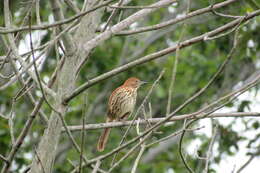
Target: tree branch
{"x":175,"y":20}
{"x":155,"y":120}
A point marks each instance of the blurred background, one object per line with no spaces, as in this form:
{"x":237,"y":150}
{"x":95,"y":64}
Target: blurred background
{"x":237,"y":139}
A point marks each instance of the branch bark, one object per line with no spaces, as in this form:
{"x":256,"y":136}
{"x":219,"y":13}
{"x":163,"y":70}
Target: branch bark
{"x":176,"y":20}
{"x":155,"y":120}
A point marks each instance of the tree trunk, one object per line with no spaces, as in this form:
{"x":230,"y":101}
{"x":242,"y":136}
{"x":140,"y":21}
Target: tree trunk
{"x":43,"y":163}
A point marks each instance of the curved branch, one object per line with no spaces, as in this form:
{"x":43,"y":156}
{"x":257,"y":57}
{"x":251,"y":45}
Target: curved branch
{"x":175,"y":20}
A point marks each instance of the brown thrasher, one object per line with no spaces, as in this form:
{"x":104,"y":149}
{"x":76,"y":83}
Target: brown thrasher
{"x":120,"y":105}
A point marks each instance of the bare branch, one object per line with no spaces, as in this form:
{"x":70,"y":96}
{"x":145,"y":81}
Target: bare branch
{"x":72,"y":5}
{"x":185,"y":126}
{"x":37,"y":7}
{"x":4,"y":116}
{"x":137,"y":160}
{"x":11,"y":123}
{"x":176,"y":20}
{"x":246,"y":163}
{"x":209,"y":152}
{"x":3,"y":158}
{"x":137,"y":7}
{"x":224,"y":15}
{"x":97,"y":165}
{"x":112,"y":15}
{"x":172,"y":135}
{"x":174,"y":70}
{"x":36,"y":71}
{"x":156,"y":120}
{"x":66,"y":37}
{"x":82,"y":135}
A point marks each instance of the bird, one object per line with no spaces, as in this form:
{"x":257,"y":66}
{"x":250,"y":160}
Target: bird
{"x":121,"y":104}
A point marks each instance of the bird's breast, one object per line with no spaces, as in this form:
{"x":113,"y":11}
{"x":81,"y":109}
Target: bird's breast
{"x":128,"y":102}
{"x":123,"y":102}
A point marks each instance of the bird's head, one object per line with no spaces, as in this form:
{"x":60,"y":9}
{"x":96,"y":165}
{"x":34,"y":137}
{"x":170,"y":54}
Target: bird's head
{"x":133,"y":82}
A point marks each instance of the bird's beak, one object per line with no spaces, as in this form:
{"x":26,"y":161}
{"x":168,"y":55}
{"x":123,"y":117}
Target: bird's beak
{"x":143,"y":82}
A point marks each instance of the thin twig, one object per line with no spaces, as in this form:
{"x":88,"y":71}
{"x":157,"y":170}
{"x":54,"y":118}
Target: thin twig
{"x":10,"y":122}
{"x":224,"y":15}
{"x":246,"y":163}
{"x":171,"y":135}
{"x":175,"y":20}
{"x":173,"y":78}
{"x":3,"y":158}
{"x":72,"y":5}
{"x":97,"y":165}
{"x":174,"y":71}
{"x":209,"y":152}
{"x":112,"y":16}
{"x":228,"y":32}
{"x":3,"y":116}
{"x":71,"y":163}
{"x":180,"y":148}
{"x":82,"y":134}
{"x":137,"y":160}
{"x":24,"y":65}
{"x":143,"y":146}
{"x":174,"y":68}
{"x":37,"y":7}
{"x":36,"y":70}
{"x":138,"y":6}
{"x":24,"y":90}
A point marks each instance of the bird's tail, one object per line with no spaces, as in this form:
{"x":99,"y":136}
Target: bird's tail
{"x":103,"y":138}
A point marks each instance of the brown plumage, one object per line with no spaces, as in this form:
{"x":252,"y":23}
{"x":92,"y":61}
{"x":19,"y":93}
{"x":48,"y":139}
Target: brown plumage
{"x":120,"y":105}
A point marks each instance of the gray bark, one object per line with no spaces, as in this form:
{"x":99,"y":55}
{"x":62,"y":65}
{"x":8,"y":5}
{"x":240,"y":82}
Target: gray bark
{"x":65,"y":84}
